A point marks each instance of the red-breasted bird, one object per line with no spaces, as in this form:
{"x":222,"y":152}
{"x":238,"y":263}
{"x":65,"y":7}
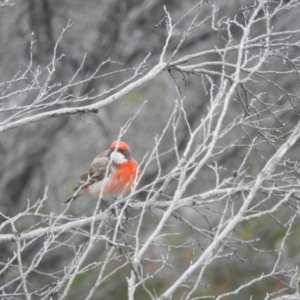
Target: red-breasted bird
{"x":111,"y":173}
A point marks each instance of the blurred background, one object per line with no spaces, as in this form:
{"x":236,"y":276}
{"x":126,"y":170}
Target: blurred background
{"x":53,"y":153}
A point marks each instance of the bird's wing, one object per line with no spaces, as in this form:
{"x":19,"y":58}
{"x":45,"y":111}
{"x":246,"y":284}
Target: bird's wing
{"x":96,"y":172}
{"x":101,"y":155}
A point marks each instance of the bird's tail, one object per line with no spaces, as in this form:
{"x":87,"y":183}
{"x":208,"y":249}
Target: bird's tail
{"x":74,"y":196}
{"x":71,"y":199}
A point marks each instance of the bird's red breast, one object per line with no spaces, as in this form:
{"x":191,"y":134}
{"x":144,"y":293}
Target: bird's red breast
{"x":123,"y":178}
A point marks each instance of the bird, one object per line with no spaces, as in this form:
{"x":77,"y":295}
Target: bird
{"x":112,"y":173}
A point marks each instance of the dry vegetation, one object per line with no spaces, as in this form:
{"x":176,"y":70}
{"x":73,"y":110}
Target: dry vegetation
{"x":206,"y":93}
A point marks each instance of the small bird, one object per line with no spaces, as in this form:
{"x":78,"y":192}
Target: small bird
{"x":112,"y":173}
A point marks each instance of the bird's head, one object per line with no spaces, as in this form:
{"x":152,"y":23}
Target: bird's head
{"x":119,"y":152}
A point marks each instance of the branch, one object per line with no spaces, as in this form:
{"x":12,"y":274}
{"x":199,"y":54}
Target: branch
{"x":155,"y":72}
